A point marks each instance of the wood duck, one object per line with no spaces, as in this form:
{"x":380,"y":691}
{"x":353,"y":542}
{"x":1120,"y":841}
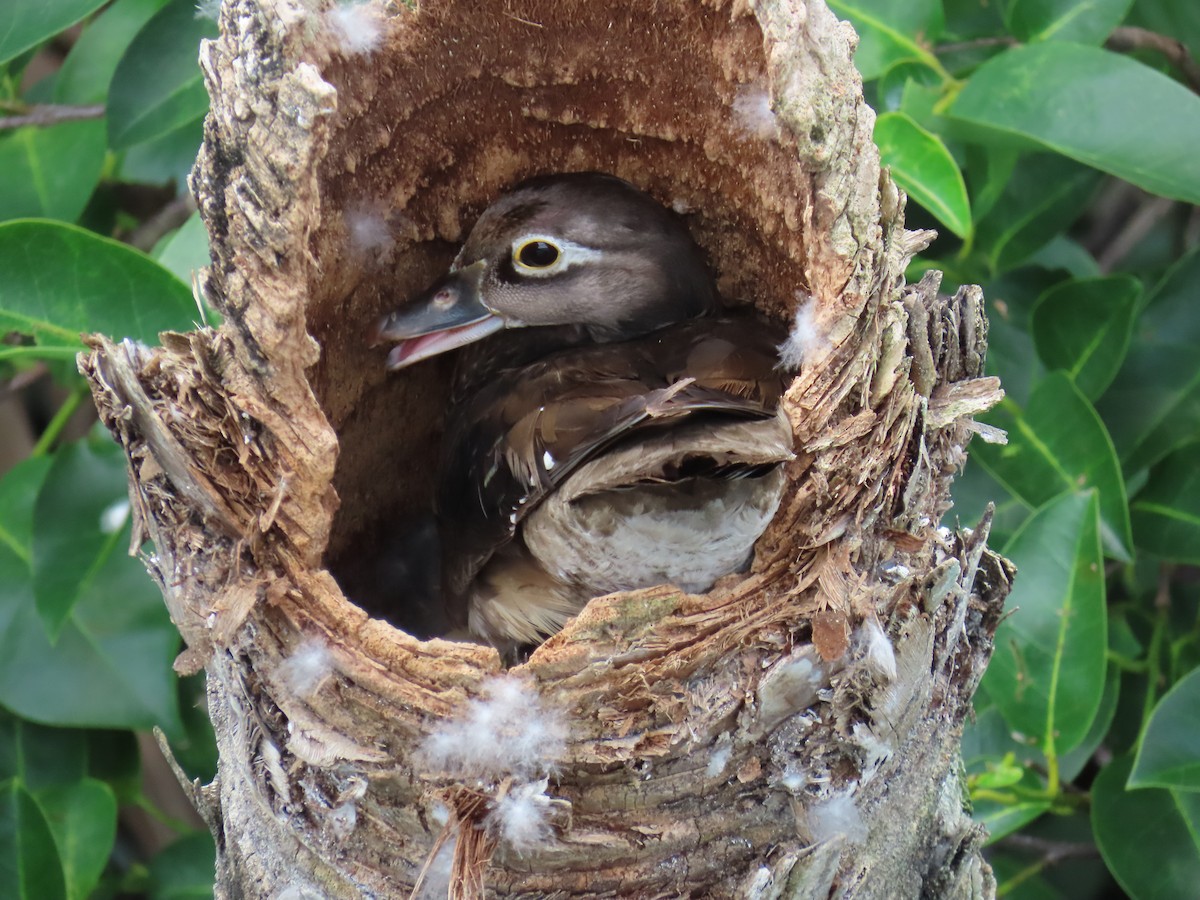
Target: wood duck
{"x":619,"y":433}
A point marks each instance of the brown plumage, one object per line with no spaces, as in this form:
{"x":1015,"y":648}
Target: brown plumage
{"x":624,"y":437}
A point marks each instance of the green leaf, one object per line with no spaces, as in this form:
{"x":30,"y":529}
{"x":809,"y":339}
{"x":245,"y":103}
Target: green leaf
{"x":892,"y":30}
{"x":1059,"y":444}
{"x":1166,"y":513}
{"x":920,"y":102}
{"x":989,"y":171}
{"x":158,"y":86}
{"x":81,"y":812}
{"x":1070,"y":764}
{"x":185,"y":870}
{"x":114,"y":758}
{"x":968,"y":19}
{"x":111,"y":666}
{"x":976,"y":487}
{"x":923,"y":166}
{"x":1147,"y":837}
{"x":995,"y":760}
{"x":1042,"y":197}
{"x":60,"y":281}
{"x":1083,"y":21}
{"x":50,"y":172}
{"x":1083,"y":327}
{"x":990,"y":749}
{"x":40,"y":757}
{"x":185,"y":251}
{"x":89,"y":67}
{"x":1015,"y":879}
{"x":29,"y":865}
{"x":1153,"y":406}
{"x":167,"y":159}
{"x":1047,"y":674}
{"x":890,"y":88}
{"x":1170,"y":313}
{"x":1011,"y":354}
{"x":1002,"y":819}
{"x":25,"y":25}
{"x":1121,"y":639}
{"x":1063,"y":96}
{"x":196,"y":753}
{"x":1169,"y":752}
{"x":992,"y":757}
{"x":83,"y":819}
{"x":1082,"y":875}
{"x":1067,"y":255}
{"x":18,"y":491}
{"x":78,"y":524}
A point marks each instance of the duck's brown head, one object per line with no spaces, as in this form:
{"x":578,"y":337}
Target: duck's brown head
{"x":583,"y":249}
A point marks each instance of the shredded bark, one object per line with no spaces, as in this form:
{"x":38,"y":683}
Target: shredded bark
{"x":712,"y":738}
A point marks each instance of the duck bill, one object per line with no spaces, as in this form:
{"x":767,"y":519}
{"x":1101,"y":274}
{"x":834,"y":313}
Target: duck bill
{"x":449,"y":315}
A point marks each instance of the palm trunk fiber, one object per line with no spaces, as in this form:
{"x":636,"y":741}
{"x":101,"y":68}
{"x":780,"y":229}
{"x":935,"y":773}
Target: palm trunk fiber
{"x":792,"y":733}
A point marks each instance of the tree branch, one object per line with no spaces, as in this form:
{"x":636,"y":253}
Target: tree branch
{"x":170,"y":217}
{"x":1003,"y":40}
{"x":1128,"y":38}
{"x":1051,"y":852}
{"x":1148,"y":214}
{"x":43,"y":115}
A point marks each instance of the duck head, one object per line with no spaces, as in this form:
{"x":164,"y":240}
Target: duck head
{"x":584,"y":249}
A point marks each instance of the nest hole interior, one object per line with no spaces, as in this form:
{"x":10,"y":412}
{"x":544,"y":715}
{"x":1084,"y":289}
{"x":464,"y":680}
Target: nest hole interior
{"x":454,"y":109}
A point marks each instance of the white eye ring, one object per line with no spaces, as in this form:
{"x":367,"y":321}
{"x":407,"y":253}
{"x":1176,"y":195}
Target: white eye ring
{"x":569,"y":254}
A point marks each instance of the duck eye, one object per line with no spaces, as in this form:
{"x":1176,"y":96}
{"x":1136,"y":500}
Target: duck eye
{"x":536,"y":254}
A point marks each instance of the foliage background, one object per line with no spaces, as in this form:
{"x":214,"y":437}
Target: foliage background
{"x":1054,"y":144}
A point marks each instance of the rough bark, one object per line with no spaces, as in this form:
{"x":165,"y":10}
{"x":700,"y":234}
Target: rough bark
{"x":792,"y":733}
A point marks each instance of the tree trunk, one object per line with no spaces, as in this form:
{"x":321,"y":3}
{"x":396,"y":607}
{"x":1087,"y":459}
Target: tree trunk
{"x":792,"y":733}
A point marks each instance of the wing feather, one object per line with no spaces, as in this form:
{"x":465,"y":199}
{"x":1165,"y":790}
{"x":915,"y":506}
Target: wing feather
{"x":521,"y":436}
